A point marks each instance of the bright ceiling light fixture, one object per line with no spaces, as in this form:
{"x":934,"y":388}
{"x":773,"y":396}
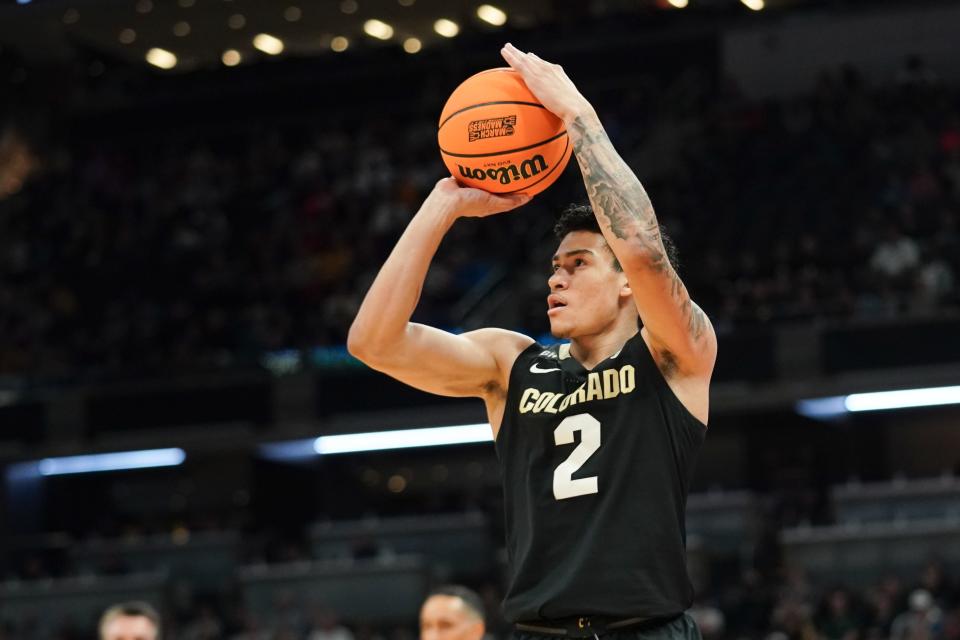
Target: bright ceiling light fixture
{"x":902,"y":399}
{"x":299,"y":450}
{"x":161,"y":58}
{"x":755,"y":5}
{"x":231,"y":57}
{"x":678,"y":4}
{"x":412,"y":45}
{"x":378,"y":29}
{"x":836,"y":406}
{"x":446,"y":28}
{"x":403,"y":439}
{"x":120,"y":461}
{"x":271,"y":45}
{"x":492,"y":15}
{"x":339,"y":44}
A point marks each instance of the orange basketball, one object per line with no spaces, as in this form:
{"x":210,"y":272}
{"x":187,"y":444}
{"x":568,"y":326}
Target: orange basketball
{"x":496,"y":136}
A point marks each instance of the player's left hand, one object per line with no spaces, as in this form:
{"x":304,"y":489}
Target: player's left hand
{"x":548,"y":82}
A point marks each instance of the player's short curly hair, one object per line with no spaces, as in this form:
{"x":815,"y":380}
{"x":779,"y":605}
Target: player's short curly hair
{"x":580,"y":217}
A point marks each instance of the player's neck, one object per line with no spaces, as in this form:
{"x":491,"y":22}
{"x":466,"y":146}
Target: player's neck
{"x":593,"y":349}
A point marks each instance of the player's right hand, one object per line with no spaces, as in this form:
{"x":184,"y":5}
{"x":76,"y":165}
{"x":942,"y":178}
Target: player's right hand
{"x":467,"y":202}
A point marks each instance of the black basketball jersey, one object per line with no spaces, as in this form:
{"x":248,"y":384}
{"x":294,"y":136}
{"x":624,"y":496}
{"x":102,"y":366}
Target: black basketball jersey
{"x":596,"y":466}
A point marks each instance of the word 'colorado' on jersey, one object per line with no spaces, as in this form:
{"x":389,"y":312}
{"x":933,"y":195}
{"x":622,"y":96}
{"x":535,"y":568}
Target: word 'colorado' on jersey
{"x":600,"y":385}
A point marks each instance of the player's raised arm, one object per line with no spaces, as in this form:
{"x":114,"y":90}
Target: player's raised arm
{"x":675,"y":323}
{"x":382,"y":336}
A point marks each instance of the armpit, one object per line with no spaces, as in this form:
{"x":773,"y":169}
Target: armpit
{"x":666,"y":362}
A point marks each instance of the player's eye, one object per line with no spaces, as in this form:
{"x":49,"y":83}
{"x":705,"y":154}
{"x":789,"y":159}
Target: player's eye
{"x":554,"y":268}
{"x":579,"y":261}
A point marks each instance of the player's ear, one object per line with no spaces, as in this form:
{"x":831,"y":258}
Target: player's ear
{"x":625,"y":290}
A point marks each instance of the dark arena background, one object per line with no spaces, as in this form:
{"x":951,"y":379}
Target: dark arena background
{"x":195,"y":195}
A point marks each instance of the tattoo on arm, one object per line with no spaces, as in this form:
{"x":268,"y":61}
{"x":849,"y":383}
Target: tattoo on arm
{"x":622,"y":205}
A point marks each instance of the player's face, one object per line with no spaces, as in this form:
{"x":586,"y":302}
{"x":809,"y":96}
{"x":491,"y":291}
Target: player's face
{"x":586,"y":291}
{"x":447,"y":618}
{"x":129,"y":628}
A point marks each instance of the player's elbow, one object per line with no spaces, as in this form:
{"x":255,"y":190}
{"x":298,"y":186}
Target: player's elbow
{"x":358,"y":343}
{"x":368,"y":344}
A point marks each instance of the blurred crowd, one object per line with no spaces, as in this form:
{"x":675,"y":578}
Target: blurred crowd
{"x":787,"y":606}
{"x":792,"y":608}
{"x":203,"y":249}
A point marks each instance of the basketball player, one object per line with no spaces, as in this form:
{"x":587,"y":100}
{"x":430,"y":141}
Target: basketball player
{"x":130,"y":621}
{"x":597,"y":437}
{"x":452,"y":613}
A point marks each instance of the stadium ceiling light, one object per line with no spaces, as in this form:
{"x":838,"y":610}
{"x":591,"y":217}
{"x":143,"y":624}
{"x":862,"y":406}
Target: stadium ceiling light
{"x":378,"y":29}
{"x":161,"y":58}
{"x":678,"y":4}
{"x":412,"y":45}
{"x":403,"y":439}
{"x":339,"y":44}
{"x":267,"y":43}
{"x":492,"y":15}
{"x":902,"y":399}
{"x":755,"y":5}
{"x":119,"y":461}
{"x":835,"y":406}
{"x":231,"y":57}
{"x":446,"y":28}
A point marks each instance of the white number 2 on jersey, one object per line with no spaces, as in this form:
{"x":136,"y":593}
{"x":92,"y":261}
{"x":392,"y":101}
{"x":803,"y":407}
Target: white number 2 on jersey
{"x":564,"y":486}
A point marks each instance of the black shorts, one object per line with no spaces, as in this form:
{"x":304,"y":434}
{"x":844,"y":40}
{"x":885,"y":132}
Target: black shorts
{"x":680,"y":628}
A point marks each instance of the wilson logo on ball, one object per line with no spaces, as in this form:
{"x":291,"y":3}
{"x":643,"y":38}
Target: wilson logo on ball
{"x":507,"y":174}
{"x":491,"y":128}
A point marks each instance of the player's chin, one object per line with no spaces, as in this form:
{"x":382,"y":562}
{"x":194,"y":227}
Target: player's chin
{"x":560,"y":330}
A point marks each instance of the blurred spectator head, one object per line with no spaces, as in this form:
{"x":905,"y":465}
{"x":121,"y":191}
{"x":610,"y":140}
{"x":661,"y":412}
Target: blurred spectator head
{"x":16,"y":160}
{"x":130,"y":621}
{"x":932,"y":577}
{"x":920,"y":600}
{"x":452,"y":613}
{"x":838,"y":602}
